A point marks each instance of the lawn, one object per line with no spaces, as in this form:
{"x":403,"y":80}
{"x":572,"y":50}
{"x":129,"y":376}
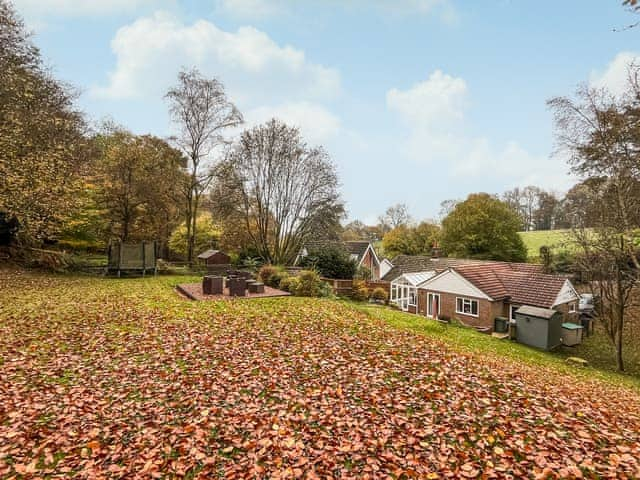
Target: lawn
{"x":106,"y":378}
{"x":558,"y":240}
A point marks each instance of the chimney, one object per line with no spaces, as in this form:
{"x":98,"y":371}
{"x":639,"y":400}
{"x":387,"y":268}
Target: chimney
{"x":436,"y":252}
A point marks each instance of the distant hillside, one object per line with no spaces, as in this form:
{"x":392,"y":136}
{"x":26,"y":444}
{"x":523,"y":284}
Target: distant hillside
{"x":558,"y":240}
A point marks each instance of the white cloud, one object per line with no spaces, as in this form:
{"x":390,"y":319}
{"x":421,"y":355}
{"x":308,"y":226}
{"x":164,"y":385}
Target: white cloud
{"x":81,"y":7}
{"x":616,"y":75}
{"x":439,"y":99}
{"x":434,"y":112}
{"x":252,"y":9}
{"x":315,"y":122}
{"x":151,"y":50}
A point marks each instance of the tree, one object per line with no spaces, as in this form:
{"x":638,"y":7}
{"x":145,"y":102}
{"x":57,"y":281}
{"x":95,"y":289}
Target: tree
{"x":447,"y":206}
{"x":331,"y":261}
{"x":207,"y":236}
{"x":280,"y":189}
{"x":394,"y":216}
{"x":418,"y":240}
{"x":42,"y":138}
{"x":200,"y":108}
{"x":139,"y":183}
{"x":545,"y":216}
{"x":600,"y":132}
{"x":483,"y":227}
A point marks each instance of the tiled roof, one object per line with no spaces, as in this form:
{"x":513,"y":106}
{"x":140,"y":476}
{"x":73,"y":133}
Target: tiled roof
{"x":520,"y":283}
{"x":423,"y":263}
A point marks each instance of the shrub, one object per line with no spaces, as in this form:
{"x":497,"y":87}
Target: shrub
{"x":363,"y":273}
{"x":269,"y":274}
{"x":309,"y":284}
{"x":331,"y":261}
{"x":379,"y":294}
{"x":289,"y":284}
{"x":359,"y":291}
{"x":277,"y":278}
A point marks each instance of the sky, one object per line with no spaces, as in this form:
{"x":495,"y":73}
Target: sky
{"x":416,"y":101}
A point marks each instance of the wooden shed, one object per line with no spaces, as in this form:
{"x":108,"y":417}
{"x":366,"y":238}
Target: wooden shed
{"x":214,"y":257}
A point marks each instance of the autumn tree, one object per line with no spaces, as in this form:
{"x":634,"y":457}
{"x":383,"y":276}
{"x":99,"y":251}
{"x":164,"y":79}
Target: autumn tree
{"x":411,"y":240}
{"x":42,"y":142}
{"x":600,"y":134}
{"x":203,"y":114}
{"x":279,"y":188}
{"x":139,"y":182}
{"x":483,"y":227}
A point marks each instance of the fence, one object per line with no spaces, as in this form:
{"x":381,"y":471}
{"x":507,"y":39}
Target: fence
{"x":343,"y":288}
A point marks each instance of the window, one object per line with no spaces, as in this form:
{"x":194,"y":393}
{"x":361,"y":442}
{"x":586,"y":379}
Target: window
{"x":467,"y":306}
{"x":572,"y":307}
{"x":412,"y":296}
{"x":394,"y":292}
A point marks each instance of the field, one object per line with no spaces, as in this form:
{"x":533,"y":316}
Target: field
{"x":106,"y":378}
{"x":558,"y":240}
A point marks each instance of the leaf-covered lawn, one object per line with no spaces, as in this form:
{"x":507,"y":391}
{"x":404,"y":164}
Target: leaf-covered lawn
{"x":120,"y":378}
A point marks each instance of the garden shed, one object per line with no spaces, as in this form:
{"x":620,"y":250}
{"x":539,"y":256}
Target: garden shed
{"x":214,"y":257}
{"x":539,"y":327}
{"x":132,"y":257}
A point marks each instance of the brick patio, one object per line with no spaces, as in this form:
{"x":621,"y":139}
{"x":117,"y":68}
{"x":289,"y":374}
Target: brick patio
{"x":193,"y":291}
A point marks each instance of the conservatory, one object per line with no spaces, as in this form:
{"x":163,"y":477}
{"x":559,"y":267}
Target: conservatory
{"x":404,"y":290}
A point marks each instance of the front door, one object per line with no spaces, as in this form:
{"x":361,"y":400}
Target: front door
{"x":433,"y":305}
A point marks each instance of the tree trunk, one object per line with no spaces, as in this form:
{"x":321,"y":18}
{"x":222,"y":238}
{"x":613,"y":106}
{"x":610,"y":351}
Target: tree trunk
{"x":618,"y":342}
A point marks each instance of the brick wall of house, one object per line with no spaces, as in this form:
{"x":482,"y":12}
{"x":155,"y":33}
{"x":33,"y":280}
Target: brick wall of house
{"x":369,"y":261}
{"x":572,"y":317}
{"x":487,"y":310}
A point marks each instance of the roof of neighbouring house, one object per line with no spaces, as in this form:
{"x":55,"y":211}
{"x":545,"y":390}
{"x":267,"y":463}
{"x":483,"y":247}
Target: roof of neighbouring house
{"x":521,"y":283}
{"x":357,"y":247}
{"x":423,"y":263}
{"x":209,"y":253}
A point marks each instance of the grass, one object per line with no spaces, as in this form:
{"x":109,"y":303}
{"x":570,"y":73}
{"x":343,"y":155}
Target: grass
{"x":595,"y":349}
{"x":558,"y":240}
{"x":105,"y":378}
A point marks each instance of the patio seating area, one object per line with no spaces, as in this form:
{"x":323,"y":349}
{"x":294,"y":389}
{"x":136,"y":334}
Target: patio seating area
{"x":233,"y":285}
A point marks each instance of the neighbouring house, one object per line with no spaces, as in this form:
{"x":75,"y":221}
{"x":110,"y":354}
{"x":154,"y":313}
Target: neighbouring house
{"x":214,"y":257}
{"x":475,"y":294}
{"x":362,"y":252}
{"x":385,"y":266}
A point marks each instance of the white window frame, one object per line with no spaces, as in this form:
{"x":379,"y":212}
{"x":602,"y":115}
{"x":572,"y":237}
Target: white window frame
{"x":470,"y":301}
{"x":412,"y":292}
{"x":572,"y":307}
{"x":430,"y":297}
{"x":394,"y":292}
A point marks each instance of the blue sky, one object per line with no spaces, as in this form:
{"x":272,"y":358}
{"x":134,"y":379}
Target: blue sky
{"x":417,"y":101}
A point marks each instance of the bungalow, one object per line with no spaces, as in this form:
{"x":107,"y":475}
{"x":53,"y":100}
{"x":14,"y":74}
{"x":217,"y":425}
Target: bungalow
{"x":362,"y":252}
{"x":409,"y":271}
{"x":476,"y":294}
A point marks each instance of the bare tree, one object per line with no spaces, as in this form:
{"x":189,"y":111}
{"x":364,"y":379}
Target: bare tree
{"x":394,"y":217}
{"x":601,"y":134}
{"x":202,"y":111}
{"x":281,"y":189}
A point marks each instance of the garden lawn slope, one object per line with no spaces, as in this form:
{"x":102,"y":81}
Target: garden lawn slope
{"x":108,"y":378}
